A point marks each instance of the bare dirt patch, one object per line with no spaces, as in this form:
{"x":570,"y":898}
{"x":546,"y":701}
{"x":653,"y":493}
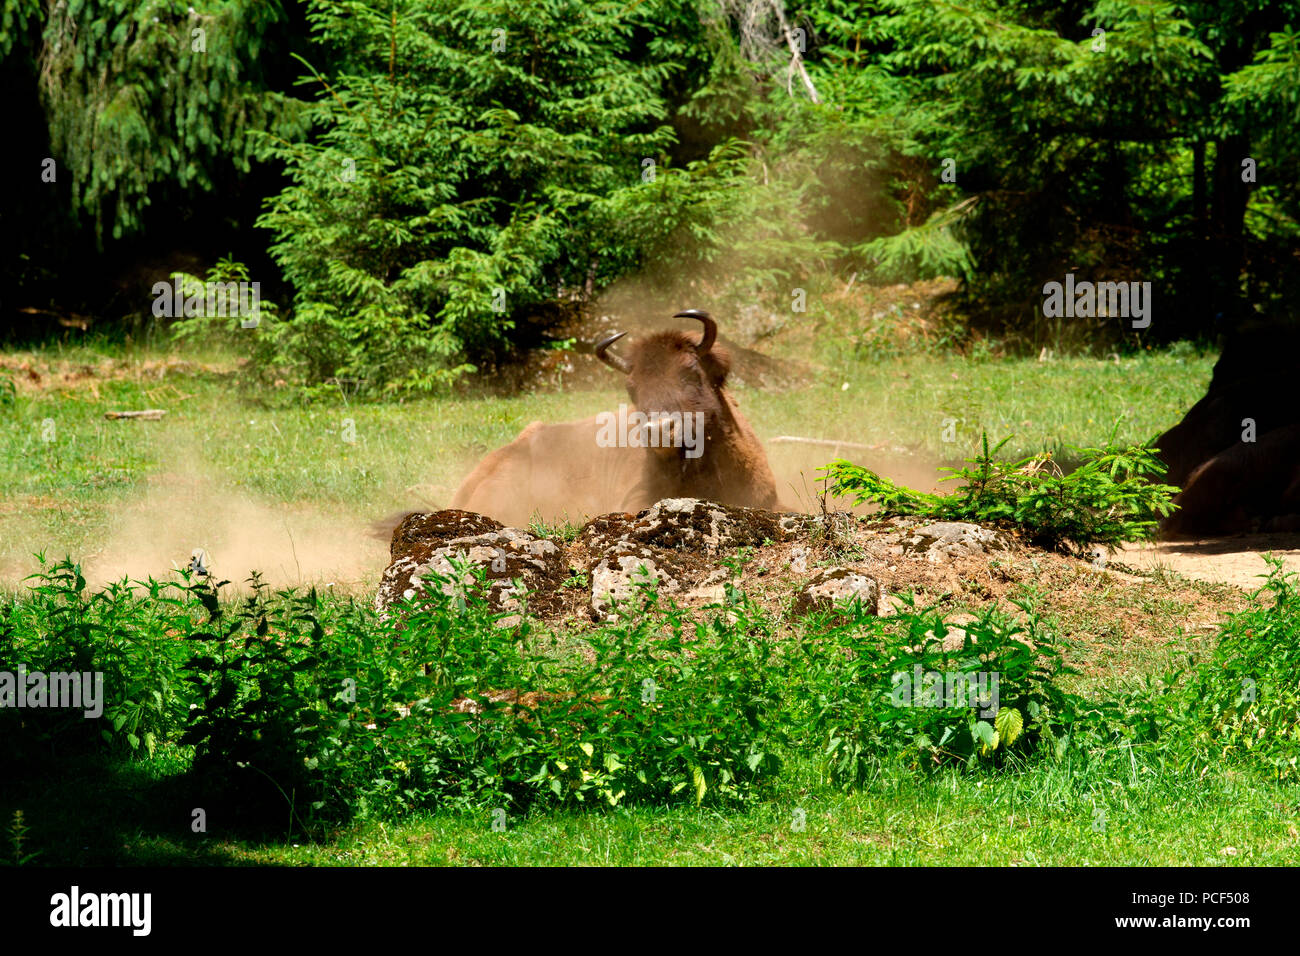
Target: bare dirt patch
{"x":1237,"y":560}
{"x":33,"y":375}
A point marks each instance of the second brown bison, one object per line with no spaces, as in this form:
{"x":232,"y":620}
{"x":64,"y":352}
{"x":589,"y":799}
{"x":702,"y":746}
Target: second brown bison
{"x":684,"y":437}
{"x":1236,"y":453}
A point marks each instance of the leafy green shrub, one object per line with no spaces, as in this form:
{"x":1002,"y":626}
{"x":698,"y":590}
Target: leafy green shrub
{"x":682,"y":708}
{"x":1242,"y":704}
{"x":673,"y":711}
{"x":1110,"y":498}
{"x":258,"y":675}
{"x":132,"y":638}
{"x":212,"y":327}
{"x":305,"y":708}
{"x":339,"y":714}
{"x":137,"y":115}
{"x":876,"y":690}
{"x":461,"y":178}
{"x":19,"y":855}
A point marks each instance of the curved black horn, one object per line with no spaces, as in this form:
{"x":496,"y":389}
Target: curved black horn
{"x":613,"y":361}
{"x":710,"y":328}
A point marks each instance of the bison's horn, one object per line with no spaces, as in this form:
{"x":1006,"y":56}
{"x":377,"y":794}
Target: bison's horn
{"x":710,"y":328}
{"x":613,"y":361}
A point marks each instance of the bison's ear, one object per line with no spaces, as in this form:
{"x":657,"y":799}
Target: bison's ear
{"x":717,"y":365}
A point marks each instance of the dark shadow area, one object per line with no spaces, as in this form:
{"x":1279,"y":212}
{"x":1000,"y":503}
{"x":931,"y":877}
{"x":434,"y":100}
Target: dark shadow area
{"x":1232,"y":544}
{"x":96,"y":811}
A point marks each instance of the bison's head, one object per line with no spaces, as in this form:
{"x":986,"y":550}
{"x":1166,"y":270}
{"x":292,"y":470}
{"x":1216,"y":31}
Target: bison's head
{"x":672,"y":375}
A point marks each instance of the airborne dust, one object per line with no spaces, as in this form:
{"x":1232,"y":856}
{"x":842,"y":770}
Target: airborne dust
{"x":152,"y":527}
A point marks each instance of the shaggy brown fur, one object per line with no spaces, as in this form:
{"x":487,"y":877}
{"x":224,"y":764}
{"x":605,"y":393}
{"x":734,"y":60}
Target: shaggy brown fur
{"x":559,"y":470}
{"x":1252,"y":486}
{"x":1231,"y":485}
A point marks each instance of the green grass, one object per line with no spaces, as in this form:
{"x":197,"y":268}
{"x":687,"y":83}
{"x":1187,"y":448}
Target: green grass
{"x":1031,"y":819}
{"x":1045,"y":816}
{"x":1045,"y":405}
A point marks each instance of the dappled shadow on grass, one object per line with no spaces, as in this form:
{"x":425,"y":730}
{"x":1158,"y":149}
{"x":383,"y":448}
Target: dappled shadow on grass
{"x":97,"y":811}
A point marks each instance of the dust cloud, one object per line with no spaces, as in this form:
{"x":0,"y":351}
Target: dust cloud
{"x":290,"y":545}
{"x":796,"y":468}
{"x":184,"y":508}
{"x":569,"y":494}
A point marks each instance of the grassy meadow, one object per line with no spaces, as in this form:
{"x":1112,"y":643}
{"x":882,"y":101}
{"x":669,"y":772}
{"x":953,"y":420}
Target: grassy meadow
{"x":448,"y":204}
{"x":232,"y":458}
{"x":293,"y":479}
{"x":1048,"y":816}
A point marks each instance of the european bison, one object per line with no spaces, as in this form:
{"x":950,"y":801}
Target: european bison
{"x":684,"y":437}
{"x":1250,"y":486}
{"x":1236,"y":453}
